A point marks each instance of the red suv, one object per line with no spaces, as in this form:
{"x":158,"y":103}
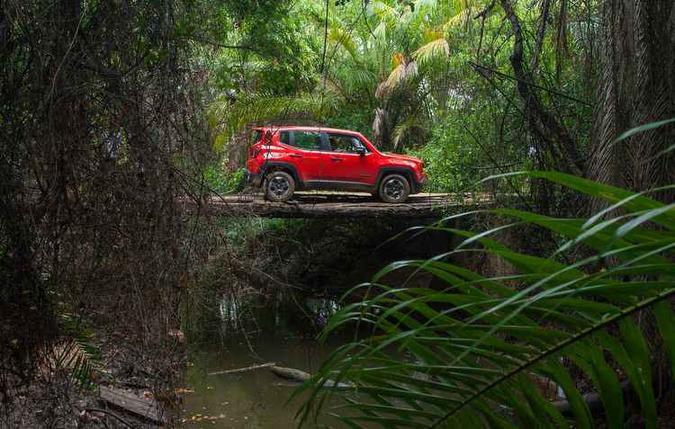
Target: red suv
{"x":285,"y":159}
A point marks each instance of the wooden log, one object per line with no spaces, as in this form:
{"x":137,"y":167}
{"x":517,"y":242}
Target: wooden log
{"x":299,"y":376}
{"x":147,"y":408}
{"x":238,"y":370}
{"x":290,"y":373}
{"x":310,"y":205}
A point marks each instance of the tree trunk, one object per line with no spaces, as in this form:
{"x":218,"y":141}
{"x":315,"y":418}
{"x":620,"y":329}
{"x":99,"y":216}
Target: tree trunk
{"x":636,"y":86}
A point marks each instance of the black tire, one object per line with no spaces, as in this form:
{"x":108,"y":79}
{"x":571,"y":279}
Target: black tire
{"x":279,"y":186}
{"x":394,"y":188}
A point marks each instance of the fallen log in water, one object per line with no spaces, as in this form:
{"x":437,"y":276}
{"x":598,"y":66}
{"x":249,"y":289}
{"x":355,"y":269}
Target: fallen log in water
{"x":299,"y":376}
{"x":290,"y":373}
{"x":248,"y":368}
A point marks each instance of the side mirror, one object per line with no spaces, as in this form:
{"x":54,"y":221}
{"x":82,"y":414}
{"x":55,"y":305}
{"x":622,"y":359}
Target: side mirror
{"x":361,"y":151}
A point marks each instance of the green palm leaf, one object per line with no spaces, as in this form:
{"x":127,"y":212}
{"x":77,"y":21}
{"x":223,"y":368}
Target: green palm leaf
{"x":468,"y":354}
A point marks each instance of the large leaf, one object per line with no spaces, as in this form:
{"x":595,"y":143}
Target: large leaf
{"x":463,"y":354}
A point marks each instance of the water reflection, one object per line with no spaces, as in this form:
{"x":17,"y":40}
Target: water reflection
{"x":291,"y":312}
{"x":229,"y":312}
{"x":321,"y":309}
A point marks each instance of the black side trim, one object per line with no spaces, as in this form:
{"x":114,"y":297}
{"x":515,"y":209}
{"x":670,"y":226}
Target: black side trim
{"x":338,"y":185}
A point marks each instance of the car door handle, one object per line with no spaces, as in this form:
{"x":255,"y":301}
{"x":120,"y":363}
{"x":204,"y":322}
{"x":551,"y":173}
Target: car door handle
{"x":295,"y":155}
{"x":336,"y":159}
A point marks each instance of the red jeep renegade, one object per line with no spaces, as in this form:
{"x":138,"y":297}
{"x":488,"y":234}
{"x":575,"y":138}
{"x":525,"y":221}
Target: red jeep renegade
{"x":284,"y":159}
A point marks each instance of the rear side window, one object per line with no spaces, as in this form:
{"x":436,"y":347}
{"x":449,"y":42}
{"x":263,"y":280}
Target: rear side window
{"x":306,"y":140}
{"x":285,"y":137}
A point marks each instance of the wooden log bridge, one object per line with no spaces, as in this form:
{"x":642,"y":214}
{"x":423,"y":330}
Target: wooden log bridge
{"x":334,"y":205}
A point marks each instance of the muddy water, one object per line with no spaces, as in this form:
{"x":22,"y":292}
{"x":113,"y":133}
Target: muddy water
{"x":281,"y":326}
{"x":249,"y":331}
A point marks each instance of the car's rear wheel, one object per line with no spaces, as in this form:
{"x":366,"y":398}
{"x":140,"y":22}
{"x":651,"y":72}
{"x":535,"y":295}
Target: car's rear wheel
{"x":279,"y":186}
{"x":394,"y":189}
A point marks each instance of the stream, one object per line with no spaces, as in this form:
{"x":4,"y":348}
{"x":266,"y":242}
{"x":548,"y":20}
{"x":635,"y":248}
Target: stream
{"x":254,"y":330}
{"x":281,"y":324}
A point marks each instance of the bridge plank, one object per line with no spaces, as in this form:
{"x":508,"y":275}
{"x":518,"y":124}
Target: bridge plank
{"x":332,"y":205}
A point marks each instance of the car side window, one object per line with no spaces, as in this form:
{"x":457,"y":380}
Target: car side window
{"x":255,"y":137}
{"x":345,"y":144}
{"x":306,"y":140}
{"x":284,"y":137}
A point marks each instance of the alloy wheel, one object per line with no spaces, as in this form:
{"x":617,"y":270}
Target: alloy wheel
{"x":279,"y":186}
{"x":394,"y":188}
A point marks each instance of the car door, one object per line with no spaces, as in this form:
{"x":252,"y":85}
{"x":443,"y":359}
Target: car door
{"x":350,"y":160}
{"x":306,"y":152}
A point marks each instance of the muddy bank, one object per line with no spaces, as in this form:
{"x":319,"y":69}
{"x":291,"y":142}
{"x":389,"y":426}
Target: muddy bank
{"x":104,"y":346}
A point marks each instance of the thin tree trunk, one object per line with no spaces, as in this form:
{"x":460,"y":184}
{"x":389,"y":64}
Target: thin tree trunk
{"x":541,"y":33}
{"x":545,"y":127}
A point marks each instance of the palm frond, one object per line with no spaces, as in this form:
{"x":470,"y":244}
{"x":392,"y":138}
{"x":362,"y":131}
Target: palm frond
{"x":435,"y":50}
{"x":227,"y":118}
{"x":341,"y":37}
{"x":403,"y":71}
{"x":411,"y":128}
{"x":361,"y":78}
{"x":74,"y":355}
{"x":70,"y":357}
{"x":474,"y":353}
{"x":386,"y":13}
{"x":461,"y":19}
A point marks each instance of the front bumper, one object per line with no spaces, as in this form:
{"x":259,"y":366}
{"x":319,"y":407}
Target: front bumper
{"x":253,"y":179}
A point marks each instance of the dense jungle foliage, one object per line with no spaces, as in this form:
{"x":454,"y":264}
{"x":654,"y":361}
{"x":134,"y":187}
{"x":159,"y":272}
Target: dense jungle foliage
{"x":114,"y":110}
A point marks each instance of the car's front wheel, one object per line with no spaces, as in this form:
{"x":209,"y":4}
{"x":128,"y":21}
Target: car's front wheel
{"x":394,"y":189}
{"x":279,"y":186}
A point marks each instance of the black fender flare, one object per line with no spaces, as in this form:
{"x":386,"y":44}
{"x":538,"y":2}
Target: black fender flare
{"x":403,"y":171}
{"x":275,"y":165}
